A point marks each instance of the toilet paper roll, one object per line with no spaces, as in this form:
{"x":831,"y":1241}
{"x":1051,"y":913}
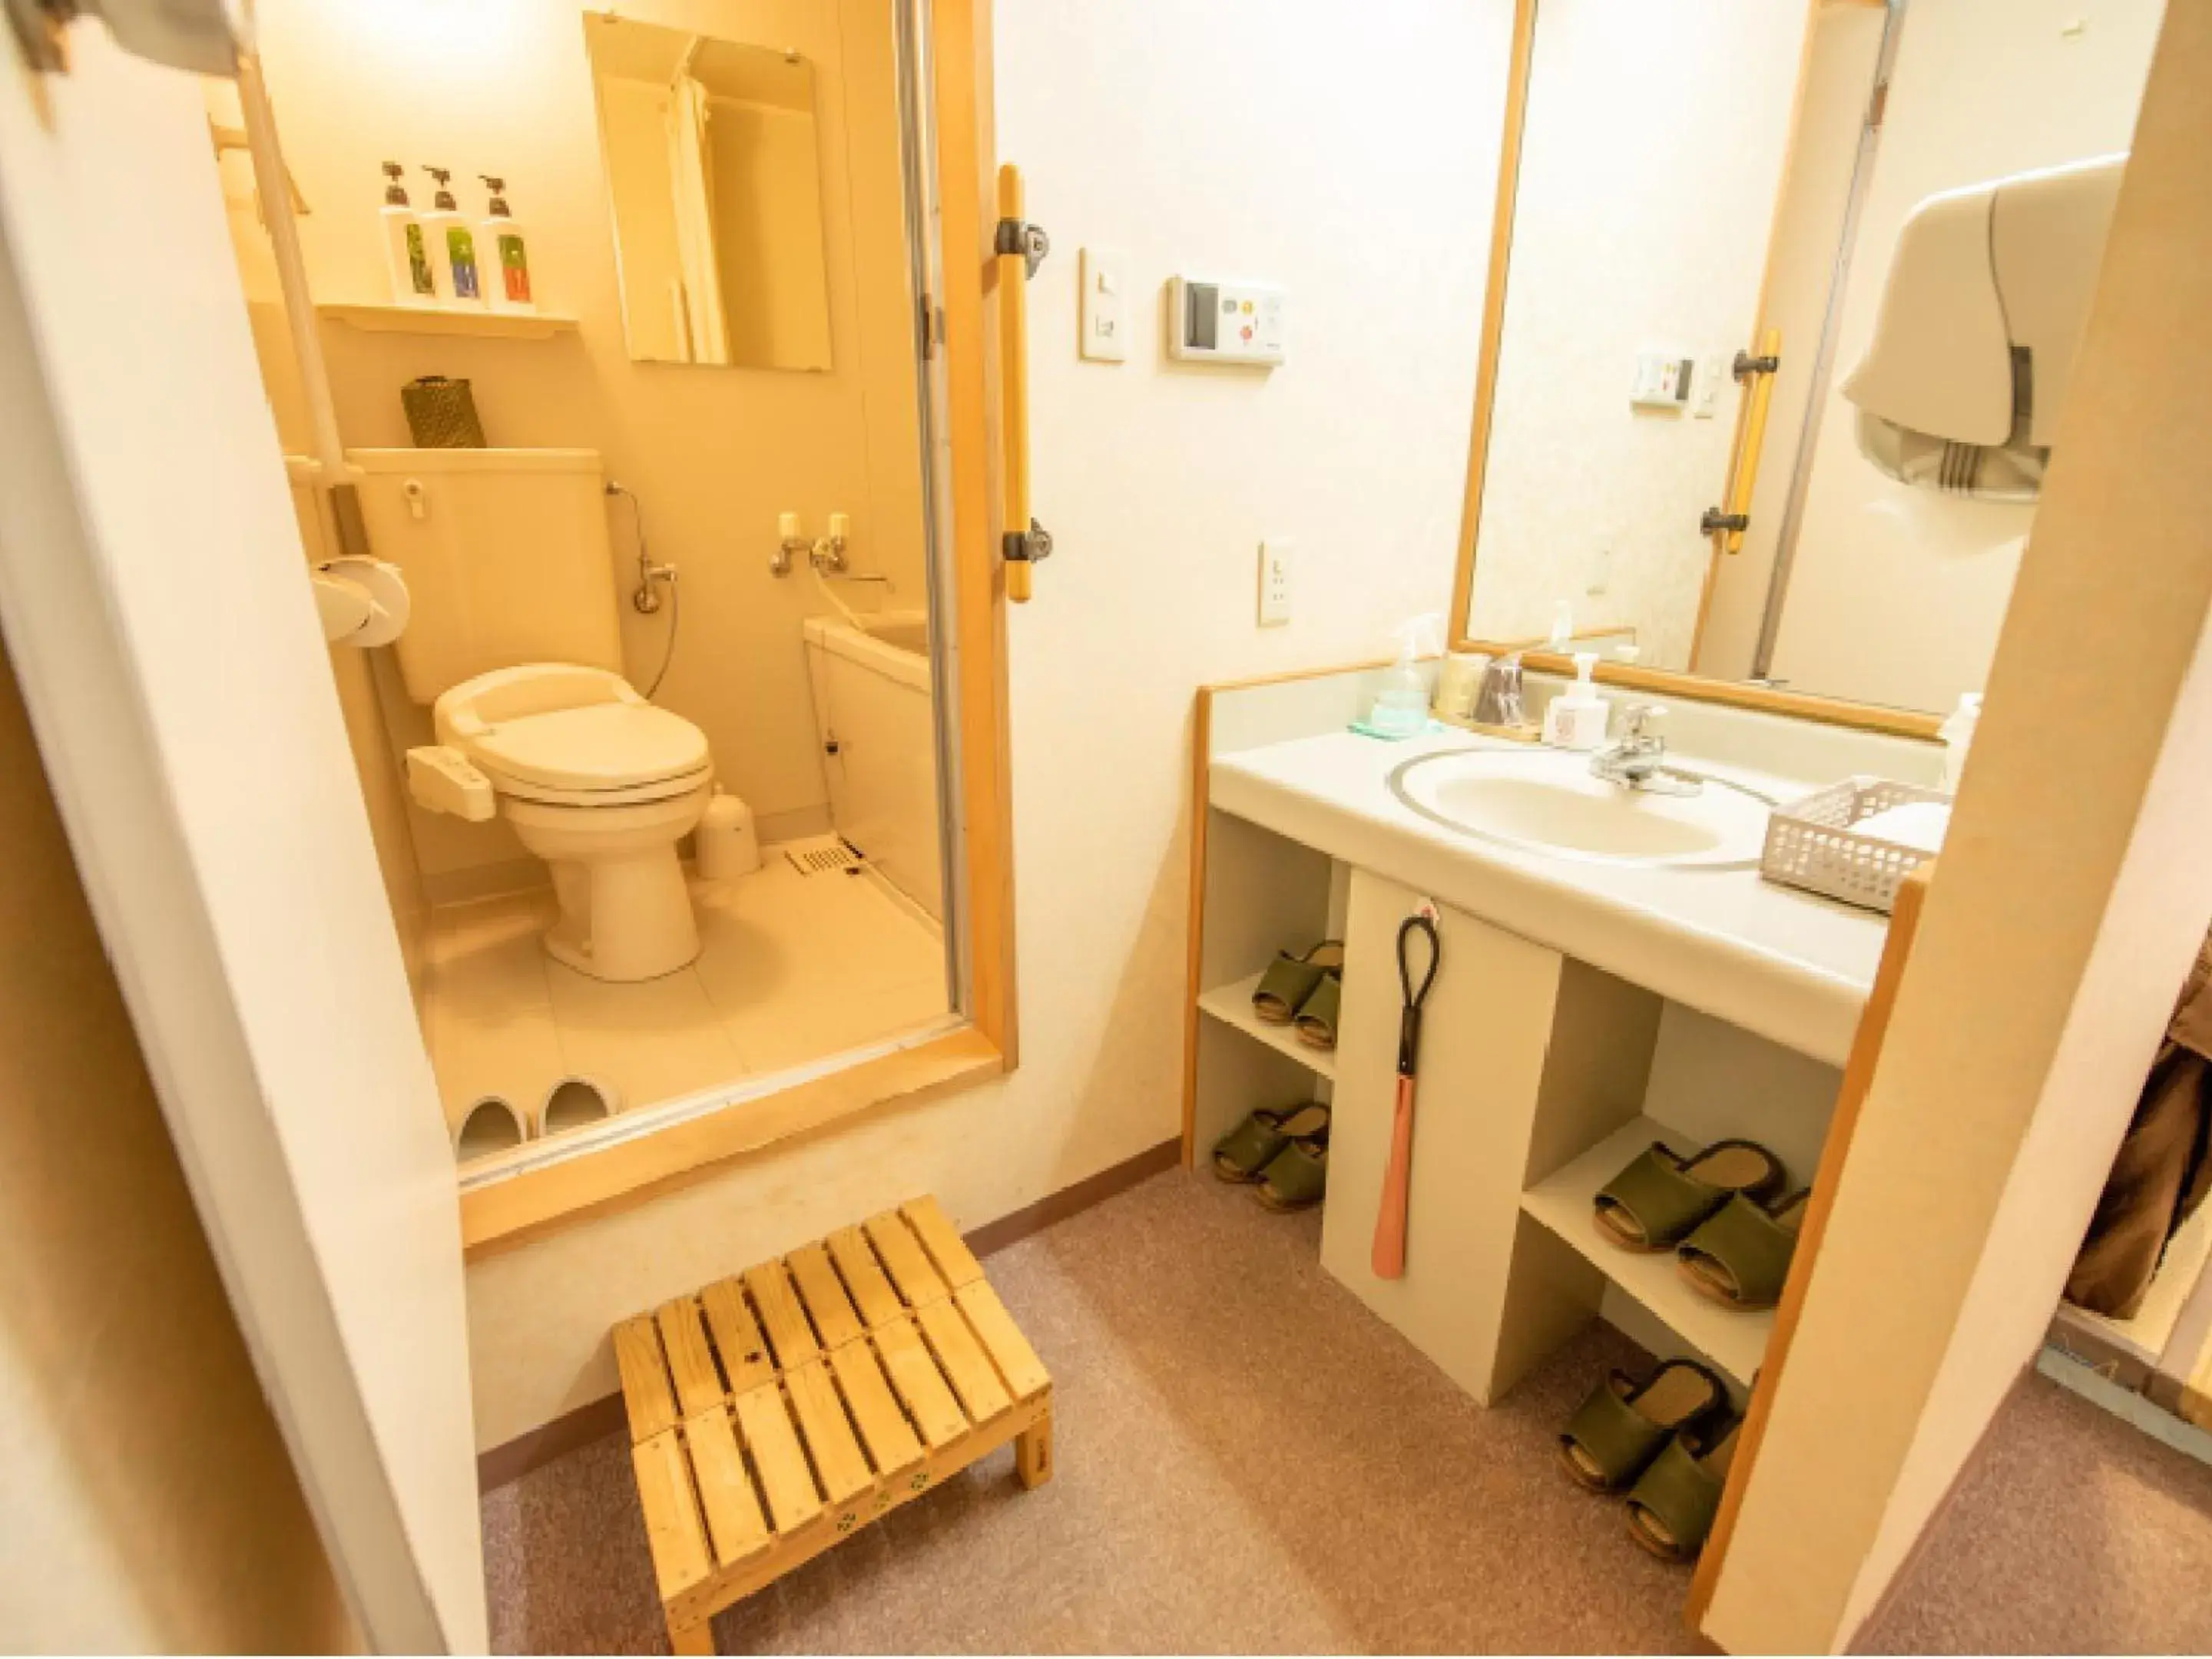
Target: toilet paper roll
{"x":389,"y":603}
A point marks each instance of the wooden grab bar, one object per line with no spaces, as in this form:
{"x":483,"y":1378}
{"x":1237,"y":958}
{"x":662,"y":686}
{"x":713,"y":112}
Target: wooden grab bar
{"x":1757,"y":373}
{"x":1019,"y":246}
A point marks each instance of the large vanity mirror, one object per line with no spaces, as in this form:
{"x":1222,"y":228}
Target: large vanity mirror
{"x":715,"y":179}
{"x":1789,"y":297}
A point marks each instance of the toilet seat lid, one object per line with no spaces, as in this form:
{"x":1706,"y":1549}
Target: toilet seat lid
{"x":603,"y":745}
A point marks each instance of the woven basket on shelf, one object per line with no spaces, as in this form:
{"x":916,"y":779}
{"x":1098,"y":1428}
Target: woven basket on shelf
{"x":442,"y":414}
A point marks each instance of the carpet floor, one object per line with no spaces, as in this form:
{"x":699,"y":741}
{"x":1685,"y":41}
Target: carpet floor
{"x":1249,"y":1462}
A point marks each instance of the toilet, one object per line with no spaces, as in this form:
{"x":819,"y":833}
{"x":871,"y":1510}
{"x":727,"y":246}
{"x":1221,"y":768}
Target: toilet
{"x":515,"y":647}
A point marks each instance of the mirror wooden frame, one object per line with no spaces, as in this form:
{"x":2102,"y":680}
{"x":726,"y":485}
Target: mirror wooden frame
{"x":1664,"y":681}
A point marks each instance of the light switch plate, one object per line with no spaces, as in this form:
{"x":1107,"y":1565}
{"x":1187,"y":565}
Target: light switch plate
{"x":1104,"y":310}
{"x":1712,"y":373}
{"x":1274,"y":583}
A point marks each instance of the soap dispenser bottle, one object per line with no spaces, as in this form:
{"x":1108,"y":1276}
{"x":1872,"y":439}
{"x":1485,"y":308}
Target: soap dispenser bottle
{"x":453,"y":247}
{"x":505,"y":251}
{"x":1577,"y":718}
{"x":406,"y":248}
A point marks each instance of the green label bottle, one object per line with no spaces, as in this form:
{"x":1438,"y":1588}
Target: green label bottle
{"x":461,"y":251}
{"x":514,"y":268}
{"x":418,"y":263}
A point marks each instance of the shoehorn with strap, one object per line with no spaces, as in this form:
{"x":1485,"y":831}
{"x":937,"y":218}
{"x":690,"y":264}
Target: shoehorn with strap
{"x":1388,"y":1260}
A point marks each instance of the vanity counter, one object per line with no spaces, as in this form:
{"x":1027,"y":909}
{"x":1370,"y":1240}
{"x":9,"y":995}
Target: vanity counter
{"x":1792,"y":967}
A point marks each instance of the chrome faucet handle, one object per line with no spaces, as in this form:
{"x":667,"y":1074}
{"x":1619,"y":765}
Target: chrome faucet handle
{"x":1637,"y":724}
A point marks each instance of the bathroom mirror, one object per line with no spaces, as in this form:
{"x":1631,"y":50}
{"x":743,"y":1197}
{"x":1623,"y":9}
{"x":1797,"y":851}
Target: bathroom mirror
{"x":1701,"y":202}
{"x":714,"y":182}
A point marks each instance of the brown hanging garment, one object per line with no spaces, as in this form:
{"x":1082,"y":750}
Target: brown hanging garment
{"x":2165,"y":1164}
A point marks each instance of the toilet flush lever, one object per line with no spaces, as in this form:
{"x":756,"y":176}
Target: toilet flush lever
{"x":417,"y":499}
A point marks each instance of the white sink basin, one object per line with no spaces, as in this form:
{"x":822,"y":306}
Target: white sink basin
{"x":1547,"y":800}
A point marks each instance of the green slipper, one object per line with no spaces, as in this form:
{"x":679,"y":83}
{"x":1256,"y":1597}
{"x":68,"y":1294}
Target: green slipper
{"x":1655,"y":1202}
{"x":1672,"y":1505}
{"x":1739,"y":1256}
{"x":1246,"y":1150}
{"x":1298,"y":1176}
{"x":1317,"y":1021}
{"x":1625,"y":1424}
{"x":1290,"y":980}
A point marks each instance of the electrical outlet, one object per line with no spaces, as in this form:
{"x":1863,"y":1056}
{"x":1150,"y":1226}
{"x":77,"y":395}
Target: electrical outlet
{"x":1275,"y":584}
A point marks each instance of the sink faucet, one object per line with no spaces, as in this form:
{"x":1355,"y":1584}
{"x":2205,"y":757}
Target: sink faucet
{"x":1638,"y":761}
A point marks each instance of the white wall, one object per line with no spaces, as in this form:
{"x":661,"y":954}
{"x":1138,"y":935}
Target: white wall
{"x":1348,"y":153}
{"x":1897,"y":594}
{"x":1651,"y":157}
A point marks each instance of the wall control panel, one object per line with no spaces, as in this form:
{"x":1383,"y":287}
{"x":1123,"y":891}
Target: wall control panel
{"x":1220,"y":322}
{"x":1663,"y":379}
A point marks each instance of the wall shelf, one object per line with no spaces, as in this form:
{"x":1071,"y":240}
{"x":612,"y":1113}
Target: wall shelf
{"x":424,"y":319}
{"x":1232,"y":1005}
{"x":1735,"y":1341}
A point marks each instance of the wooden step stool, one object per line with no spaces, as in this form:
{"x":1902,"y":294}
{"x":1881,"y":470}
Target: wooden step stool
{"x":745,"y":1400}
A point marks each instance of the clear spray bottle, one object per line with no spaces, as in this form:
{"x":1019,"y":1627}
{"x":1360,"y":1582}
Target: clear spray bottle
{"x":1401,"y":704}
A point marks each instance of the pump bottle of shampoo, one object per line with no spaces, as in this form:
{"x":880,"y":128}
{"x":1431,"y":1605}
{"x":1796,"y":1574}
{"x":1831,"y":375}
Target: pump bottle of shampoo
{"x":505,"y":252}
{"x":406,"y":247}
{"x":1577,"y":717}
{"x":453,"y":246}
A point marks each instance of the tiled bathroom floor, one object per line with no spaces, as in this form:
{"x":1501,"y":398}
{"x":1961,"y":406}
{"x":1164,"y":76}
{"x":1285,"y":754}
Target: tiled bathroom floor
{"x":791,"y":968}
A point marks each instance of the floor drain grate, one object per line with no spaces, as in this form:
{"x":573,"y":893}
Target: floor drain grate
{"x":818,"y":855}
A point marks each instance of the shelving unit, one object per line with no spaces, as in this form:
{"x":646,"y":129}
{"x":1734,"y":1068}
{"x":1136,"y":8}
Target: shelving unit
{"x":1735,"y":1341}
{"x":1262,"y":894}
{"x":424,"y":319}
{"x":1232,"y":1005}
{"x":2145,"y":1339}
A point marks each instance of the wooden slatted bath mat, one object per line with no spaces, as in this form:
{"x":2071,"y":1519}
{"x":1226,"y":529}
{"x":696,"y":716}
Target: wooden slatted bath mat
{"x":777,"y":1411}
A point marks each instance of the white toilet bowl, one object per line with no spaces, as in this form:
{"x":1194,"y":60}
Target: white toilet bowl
{"x":625,"y":912}
{"x":601,"y":785}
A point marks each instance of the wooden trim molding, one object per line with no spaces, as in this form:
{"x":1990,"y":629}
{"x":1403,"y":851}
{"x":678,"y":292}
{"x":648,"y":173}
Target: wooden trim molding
{"x":1201,"y":790}
{"x":966,"y":187}
{"x":1858,"y":1078}
{"x":1072,"y":1200}
{"x":1493,"y":303}
{"x":1802,"y":705}
{"x":1757,"y":699}
{"x":531,"y":1202}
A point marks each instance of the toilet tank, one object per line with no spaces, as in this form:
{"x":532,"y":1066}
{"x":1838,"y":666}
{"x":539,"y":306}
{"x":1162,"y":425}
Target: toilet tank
{"x":506,"y":553}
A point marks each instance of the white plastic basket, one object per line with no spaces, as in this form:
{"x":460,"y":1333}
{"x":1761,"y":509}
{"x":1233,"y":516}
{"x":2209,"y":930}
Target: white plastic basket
{"x":1811,"y":844}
